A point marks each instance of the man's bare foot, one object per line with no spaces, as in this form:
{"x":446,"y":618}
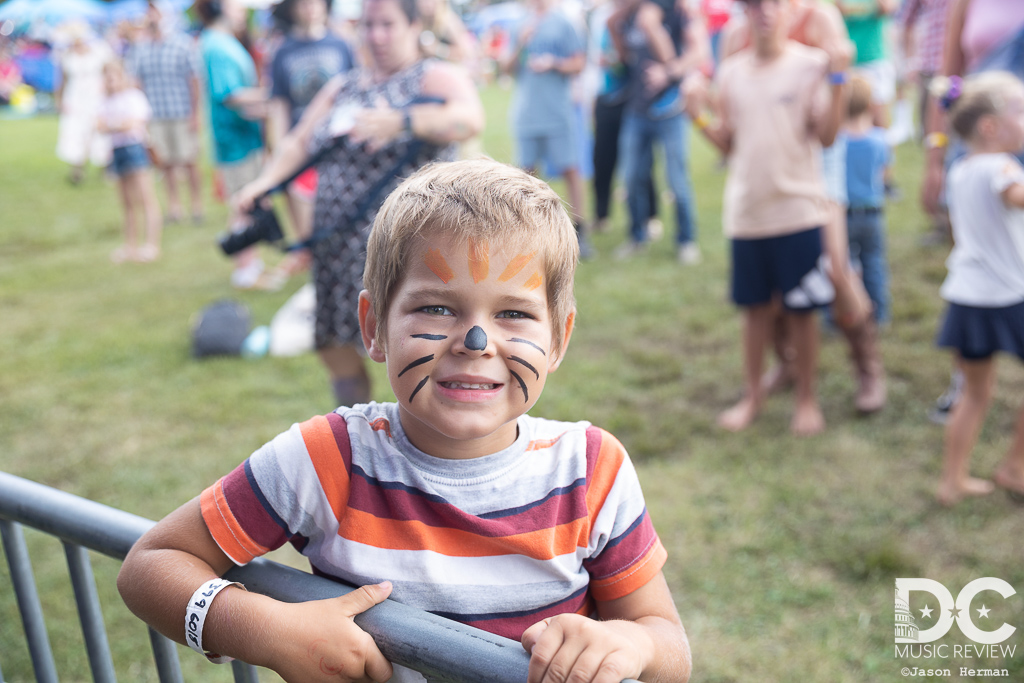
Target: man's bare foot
{"x":778,"y":378}
{"x":1011,"y":481}
{"x":951,"y":493}
{"x":122,"y":254}
{"x":147,"y":253}
{"x":740,"y":416}
{"x":807,"y":420}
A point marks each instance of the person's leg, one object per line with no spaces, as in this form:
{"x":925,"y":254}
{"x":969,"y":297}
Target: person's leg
{"x":170,"y":175}
{"x":807,"y":417}
{"x":875,"y":264}
{"x":127,"y":250}
{"x":756,"y":329}
{"x":636,"y":155}
{"x":146,"y":192}
{"x":347,"y":372}
{"x":962,"y":431}
{"x":607,"y":122}
{"x":1010,"y":473}
{"x":673,"y":134}
{"x":195,"y":189}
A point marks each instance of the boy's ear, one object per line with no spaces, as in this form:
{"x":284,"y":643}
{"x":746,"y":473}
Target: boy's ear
{"x":368,"y":327}
{"x":570,"y":323}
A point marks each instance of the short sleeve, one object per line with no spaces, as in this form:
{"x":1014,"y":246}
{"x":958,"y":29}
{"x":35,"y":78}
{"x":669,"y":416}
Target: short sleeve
{"x":1009,"y":173}
{"x":278,"y":78}
{"x":290,"y":490}
{"x":225,"y":77}
{"x":573,"y":43}
{"x":138,"y":107}
{"x":624,"y":551}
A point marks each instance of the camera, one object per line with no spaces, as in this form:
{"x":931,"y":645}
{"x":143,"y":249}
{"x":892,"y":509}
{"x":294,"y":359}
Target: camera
{"x":263,"y":227}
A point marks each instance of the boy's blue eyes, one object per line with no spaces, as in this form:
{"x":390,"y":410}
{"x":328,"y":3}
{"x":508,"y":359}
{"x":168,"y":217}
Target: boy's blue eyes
{"x":444,"y":310}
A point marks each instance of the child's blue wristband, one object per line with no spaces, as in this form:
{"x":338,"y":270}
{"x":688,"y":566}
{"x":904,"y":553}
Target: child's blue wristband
{"x":837,"y":78}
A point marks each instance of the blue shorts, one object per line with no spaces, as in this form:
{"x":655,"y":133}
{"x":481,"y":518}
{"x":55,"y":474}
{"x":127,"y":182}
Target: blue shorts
{"x":791,"y":266}
{"x":976,"y":333}
{"x":129,"y":158}
{"x":556,"y":152}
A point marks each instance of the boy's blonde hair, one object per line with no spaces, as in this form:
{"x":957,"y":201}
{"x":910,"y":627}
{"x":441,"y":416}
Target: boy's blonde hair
{"x":482,"y":200}
{"x":860,"y":97}
{"x":984,"y":94}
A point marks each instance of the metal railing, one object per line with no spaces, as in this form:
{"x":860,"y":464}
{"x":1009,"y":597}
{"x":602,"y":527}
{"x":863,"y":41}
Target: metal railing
{"x":441,"y":649}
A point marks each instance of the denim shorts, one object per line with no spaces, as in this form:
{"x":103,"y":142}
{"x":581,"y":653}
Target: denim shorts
{"x":791,"y":266}
{"x":130,"y":158}
{"x":556,"y":151}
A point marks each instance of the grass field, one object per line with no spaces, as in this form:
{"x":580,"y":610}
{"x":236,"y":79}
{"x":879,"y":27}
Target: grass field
{"x":783,"y":551}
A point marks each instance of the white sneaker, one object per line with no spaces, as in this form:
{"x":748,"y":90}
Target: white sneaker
{"x":247,"y":276}
{"x":689,"y":254}
{"x":628,"y":249}
{"x":655,"y":229}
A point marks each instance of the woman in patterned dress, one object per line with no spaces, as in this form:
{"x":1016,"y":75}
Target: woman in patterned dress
{"x":378,"y":123}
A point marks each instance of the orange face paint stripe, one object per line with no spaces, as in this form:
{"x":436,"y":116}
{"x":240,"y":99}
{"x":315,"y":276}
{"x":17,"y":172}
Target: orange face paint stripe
{"x":438,"y":266}
{"x":479,"y":260}
{"x":515,"y":265}
{"x":534,"y":282}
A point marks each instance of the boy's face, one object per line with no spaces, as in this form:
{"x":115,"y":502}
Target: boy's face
{"x":468,"y":344}
{"x":767,"y":18}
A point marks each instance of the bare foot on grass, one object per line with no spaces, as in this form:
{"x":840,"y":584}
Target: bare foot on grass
{"x":807,"y":420}
{"x":740,"y":416}
{"x":951,"y":493}
{"x":122,"y":254}
{"x":1010,"y":480}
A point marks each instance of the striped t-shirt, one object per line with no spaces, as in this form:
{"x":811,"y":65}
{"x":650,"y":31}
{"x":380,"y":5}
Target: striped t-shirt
{"x":544,"y":527}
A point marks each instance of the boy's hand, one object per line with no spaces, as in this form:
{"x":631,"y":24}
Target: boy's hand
{"x":324,"y":643}
{"x":574,"y":648}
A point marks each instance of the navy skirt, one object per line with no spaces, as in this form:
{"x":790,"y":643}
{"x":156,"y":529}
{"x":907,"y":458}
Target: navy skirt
{"x":977,"y":333}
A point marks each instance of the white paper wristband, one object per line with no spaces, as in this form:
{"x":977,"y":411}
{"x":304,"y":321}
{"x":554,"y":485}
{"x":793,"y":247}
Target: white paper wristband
{"x":195,"y":616}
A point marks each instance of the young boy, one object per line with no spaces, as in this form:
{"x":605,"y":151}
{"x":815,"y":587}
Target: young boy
{"x":777,"y":110}
{"x":867,"y":157}
{"x":452,"y":500}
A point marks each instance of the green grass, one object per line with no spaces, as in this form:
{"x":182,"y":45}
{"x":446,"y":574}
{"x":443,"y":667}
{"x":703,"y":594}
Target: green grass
{"x":782,"y":551}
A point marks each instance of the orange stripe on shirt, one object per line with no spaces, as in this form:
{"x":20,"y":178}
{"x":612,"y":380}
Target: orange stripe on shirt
{"x":225,"y":528}
{"x":394,"y":534}
{"x":632,"y":577}
{"x":609,"y":459}
{"x":327,"y":461}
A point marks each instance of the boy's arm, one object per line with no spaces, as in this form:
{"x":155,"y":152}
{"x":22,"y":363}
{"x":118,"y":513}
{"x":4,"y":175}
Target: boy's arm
{"x":312,"y":641}
{"x":696,"y":97}
{"x":640,"y":636}
{"x":1013,"y":196}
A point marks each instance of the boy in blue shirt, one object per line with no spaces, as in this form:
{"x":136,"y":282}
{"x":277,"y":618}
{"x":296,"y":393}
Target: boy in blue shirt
{"x":867,"y":157}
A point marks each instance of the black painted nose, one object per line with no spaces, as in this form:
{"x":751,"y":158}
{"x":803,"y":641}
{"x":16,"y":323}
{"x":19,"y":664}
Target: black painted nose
{"x":476,"y":339}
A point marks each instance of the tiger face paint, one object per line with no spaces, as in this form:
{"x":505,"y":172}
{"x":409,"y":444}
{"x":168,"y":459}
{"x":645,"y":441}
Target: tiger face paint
{"x":468,"y":344}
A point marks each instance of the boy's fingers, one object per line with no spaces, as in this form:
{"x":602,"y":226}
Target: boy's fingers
{"x":377,"y":667}
{"x":543,"y":651}
{"x":532,"y":634}
{"x":362,"y":599}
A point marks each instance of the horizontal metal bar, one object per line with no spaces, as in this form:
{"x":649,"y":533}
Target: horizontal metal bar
{"x":69,"y":517}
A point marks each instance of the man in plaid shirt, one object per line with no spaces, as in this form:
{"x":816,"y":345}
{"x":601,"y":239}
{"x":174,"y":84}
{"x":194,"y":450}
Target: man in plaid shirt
{"x":166,"y":66}
{"x":923,"y":33}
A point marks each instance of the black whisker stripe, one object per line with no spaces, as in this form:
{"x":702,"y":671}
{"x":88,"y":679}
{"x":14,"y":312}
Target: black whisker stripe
{"x":418,"y":361}
{"x":522,"y":385}
{"x":528,"y":366}
{"x":418,"y":387}
{"x":527,"y":341}
{"x":431,"y":337}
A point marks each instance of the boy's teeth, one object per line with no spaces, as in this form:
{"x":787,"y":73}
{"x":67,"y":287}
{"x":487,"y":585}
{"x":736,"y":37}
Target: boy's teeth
{"x":463,"y":385}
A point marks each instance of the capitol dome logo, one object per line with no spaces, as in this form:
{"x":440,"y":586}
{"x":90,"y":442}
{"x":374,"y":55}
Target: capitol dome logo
{"x":906,"y":627}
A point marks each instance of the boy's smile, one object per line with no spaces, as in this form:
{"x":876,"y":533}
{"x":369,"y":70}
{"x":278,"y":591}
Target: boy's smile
{"x":468,"y":343}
